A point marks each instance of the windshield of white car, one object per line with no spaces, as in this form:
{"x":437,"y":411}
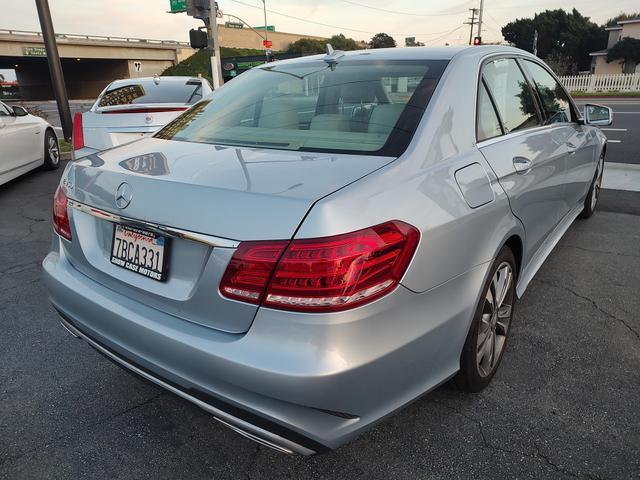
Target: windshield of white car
{"x":148,"y":91}
{"x":356,"y":106}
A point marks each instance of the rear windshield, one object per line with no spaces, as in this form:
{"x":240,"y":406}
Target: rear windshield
{"x":188,"y":92}
{"x":357,"y":106}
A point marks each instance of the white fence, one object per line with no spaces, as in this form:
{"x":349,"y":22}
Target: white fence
{"x":623,"y":82}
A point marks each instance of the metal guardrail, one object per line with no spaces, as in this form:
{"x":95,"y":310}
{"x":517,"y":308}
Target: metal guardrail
{"x":73,"y":36}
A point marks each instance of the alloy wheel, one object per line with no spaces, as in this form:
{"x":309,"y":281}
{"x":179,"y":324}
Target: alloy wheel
{"x":53,"y":150}
{"x":495,"y":320}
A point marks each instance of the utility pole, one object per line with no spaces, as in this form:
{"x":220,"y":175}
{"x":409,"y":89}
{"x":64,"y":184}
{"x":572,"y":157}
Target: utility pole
{"x":214,"y":45}
{"x":480,"y":20}
{"x":535,"y":42}
{"x":266,"y":33}
{"x":472,"y":22}
{"x":55,"y":68}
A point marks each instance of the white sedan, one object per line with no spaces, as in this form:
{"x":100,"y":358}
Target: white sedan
{"x":133,"y":108}
{"x":26,"y":142}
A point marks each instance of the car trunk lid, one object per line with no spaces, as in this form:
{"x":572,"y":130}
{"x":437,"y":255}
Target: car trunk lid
{"x":224,"y":192}
{"x":106,"y":127}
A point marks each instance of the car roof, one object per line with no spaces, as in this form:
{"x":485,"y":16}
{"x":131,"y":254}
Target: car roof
{"x":417,"y":53}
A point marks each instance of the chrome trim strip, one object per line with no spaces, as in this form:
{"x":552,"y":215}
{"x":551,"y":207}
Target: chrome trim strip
{"x":246,"y":429}
{"x":209,"y":240}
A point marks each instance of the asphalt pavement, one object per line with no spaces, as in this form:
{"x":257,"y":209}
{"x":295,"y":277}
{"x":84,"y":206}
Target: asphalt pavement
{"x":623,"y":134}
{"x":563,"y":405}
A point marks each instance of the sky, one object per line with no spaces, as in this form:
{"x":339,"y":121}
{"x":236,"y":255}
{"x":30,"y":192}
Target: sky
{"x":434,"y":23}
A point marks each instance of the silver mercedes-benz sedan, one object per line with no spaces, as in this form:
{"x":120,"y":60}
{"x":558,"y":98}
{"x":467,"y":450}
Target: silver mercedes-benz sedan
{"x":325,"y":239}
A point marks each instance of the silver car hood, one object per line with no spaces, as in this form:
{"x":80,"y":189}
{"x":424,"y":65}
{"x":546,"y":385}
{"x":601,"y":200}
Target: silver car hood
{"x":236,"y":193}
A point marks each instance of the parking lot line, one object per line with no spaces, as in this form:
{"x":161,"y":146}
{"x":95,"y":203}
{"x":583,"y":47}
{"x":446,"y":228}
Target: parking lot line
{"x":614,"y":129}
{"x":614,"y":141}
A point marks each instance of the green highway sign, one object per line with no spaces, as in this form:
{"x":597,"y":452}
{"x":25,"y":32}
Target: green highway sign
{"x":178,"y":6}
{"x":34,"y":52}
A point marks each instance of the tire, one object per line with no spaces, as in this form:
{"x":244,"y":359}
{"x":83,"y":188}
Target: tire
{"x":51,"y":151}
{"x":491,"y":325}
{"x":591,"y":200}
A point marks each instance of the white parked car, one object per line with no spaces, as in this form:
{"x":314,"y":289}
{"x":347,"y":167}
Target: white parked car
{"x":26,"y":142}
{"x":133,"y":108}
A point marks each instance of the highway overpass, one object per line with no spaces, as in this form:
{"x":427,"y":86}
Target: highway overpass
{"x":89,"y":62}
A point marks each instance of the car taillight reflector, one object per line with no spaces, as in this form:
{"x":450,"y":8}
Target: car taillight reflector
{"x":61,"y":214}
{"x":324,"y":274}
{"x":146,"y":110}
{"x":78,"y":134}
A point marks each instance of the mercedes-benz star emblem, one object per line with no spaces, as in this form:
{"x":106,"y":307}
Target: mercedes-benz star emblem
{"x":124,"y":194}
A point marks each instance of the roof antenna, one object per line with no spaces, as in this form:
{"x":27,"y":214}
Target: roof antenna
{"x":332,"y":56}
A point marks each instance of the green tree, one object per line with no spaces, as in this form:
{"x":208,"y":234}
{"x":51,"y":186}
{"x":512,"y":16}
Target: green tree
{"x":569,"y":34}
{"x":340,"y":42}
{"x":382,"y":40}
{"x":627,"y":49}
{"x":307,"y":46}
{"x":622,"y":16}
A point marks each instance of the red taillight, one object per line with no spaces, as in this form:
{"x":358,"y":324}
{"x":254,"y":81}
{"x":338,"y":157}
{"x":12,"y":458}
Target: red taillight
{"x":61,"y":215}
{"x":78,"y":134}
{"x":324,"y":274}
{"x":250,"y":268}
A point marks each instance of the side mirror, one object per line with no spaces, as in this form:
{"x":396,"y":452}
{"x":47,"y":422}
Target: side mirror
{"x":19,"y":111}
{"x":597,"y":115}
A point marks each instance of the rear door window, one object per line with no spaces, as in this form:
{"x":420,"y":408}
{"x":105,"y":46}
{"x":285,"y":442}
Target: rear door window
{"x":488,"y":122}
{"x":555,"y":100}
{"x":512,"y":94}
{"x":148,"y":91}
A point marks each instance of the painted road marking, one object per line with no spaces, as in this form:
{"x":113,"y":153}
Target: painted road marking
{"x":614,"y":129}
{"x":614,"y":141}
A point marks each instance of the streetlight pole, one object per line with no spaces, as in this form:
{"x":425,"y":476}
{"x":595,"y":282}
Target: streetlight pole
{"x":55,"y":67}
{"x":480,"y":20}
{"x":264,"y":5}
{"x":214,"y":44}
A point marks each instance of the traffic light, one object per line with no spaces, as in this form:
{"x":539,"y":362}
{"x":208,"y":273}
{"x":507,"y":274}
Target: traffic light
{"x":198,"y":9}
{"x":198,"y":38}
{"x":477,"y":40}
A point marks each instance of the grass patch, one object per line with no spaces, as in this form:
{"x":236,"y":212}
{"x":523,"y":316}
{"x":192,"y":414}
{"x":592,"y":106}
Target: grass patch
{"x":582,"y":93}
{"x":200,"y":62}
{"x":65,"y":145}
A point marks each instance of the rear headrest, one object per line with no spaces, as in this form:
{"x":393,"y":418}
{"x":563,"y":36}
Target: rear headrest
{"x":330,"y":121}
{"x":278,"y":114}
{"x":384,"y":117}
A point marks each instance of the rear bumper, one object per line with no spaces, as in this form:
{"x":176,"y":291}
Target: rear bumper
{"x":241,"y":421}
{"x":297,"y":383}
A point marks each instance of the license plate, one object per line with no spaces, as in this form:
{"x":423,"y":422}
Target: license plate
{"x":140,"y":251}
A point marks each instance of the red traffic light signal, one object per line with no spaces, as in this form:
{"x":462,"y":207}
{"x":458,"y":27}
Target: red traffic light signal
{"x":477,"y":40}
{"x":267,"y":43}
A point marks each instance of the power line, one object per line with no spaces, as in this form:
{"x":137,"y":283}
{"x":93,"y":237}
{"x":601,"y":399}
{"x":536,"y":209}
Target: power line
{"x":402,"y":13}
{"x":445,"y":35}
{"x":329,"y":25}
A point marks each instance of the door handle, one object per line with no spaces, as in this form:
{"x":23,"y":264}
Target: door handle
{"x":571,"y":148}
{"x":522,"y":164}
